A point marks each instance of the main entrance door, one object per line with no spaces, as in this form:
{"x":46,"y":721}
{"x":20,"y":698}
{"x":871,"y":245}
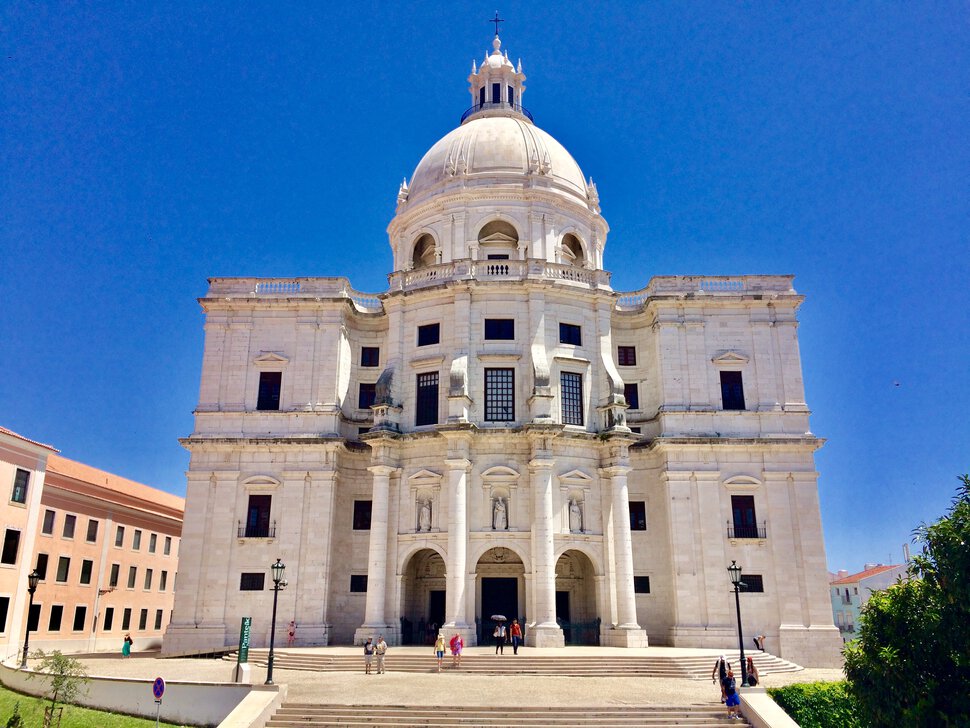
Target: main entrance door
{"x":500,"y":596}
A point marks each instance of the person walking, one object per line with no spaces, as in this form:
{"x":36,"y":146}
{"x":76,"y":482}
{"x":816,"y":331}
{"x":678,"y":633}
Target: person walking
{"x":732,"y":699}
{"x":126,"y":646}
{"x":720,"y":671}
{"x":457,"y":643}
{"x":380,"y":649}
{"x":439,"y":649}
{"x":368,"y":655}
{"x":499,"y":635}
{"x":291,"y":633}
{"x":515,"y":632}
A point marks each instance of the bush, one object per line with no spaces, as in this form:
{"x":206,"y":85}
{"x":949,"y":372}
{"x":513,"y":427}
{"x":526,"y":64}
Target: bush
{"x":818,"y":704}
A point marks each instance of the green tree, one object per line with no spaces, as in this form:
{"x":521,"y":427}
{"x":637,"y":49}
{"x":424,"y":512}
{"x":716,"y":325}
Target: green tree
{"x":66,"y":676}
{"x":911,"y":663}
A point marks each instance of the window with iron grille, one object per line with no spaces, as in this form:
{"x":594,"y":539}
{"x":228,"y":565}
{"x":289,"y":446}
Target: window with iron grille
{"x":500,"y":329}
{"x":752,"y":583}
{"x":358,"y":582}
{"x":366,"y":395}
{"x":370,"y":356}
{"x":426,"y":409}
{"x":362,"y":512}
{"x":252,"y":581}
{"x":641,"y":584}
{"x":268,"y":395}
{"x":570,"y":334}
{"x":429,"y":334}
{"x":257,"y":516}
{"x":631,"y":392}
{"x":626,"y":356}
{"x":732,"y":391}
{"x":499,"y":395}
{"x":745,"y":521}
{"x":572,"y":398}
{"x":638,"y":515}
{"x":20,"y":481}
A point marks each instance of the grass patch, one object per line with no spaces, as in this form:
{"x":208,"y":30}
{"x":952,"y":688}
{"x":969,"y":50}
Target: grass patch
{"x":818,"y":704}
{"x":32,"y":711}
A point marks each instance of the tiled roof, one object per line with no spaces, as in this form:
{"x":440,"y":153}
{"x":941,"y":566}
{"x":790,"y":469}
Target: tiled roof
{"x":103,"y":479}
{"x":5,"y":431}
{"x":854,"y":578}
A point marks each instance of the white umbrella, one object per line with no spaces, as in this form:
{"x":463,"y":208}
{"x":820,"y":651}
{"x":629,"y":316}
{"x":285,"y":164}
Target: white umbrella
{"x":499,"y":618}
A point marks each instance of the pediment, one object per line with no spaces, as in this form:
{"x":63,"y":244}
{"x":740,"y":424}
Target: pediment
{"x":498,"y":238}
{"x":424,"y":475}
{"x":576,"y":476}
{"x":742,"y":482}
{"x":260,"y":482}
{"x":730,"y":357}
{"x":270,"y":357}
{"x":500,"y":472}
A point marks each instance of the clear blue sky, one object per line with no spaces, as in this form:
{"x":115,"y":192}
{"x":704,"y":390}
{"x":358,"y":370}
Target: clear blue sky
{"x":147,"y":146}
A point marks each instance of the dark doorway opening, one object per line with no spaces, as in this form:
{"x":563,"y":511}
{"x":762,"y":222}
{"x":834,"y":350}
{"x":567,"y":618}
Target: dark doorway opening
{"x":500,"y":596}
{"x":436,"y":607}
{"x":562,"y":614}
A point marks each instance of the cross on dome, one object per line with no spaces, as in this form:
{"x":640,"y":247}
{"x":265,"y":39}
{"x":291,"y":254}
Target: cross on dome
{"x":496,"y":20}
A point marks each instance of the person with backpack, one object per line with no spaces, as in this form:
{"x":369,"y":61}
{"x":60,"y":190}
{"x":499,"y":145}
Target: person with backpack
{"x":732,"y":699}
{"x":719,"y":673}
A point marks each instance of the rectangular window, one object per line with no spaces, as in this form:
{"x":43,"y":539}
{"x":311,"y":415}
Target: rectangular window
{"x":570,"y":334}
{"x":149,"y":574}
{"x":572,"y":398}
{"x":497,"y":256}
{"x":4,"y":607}
{"x":511,"y":96}
{"x":496,"y":93}
{"x":109,"y":618}
{"x":499,"y":395}
{"x":631,"y":392}
{"x":366,"y":395}
{"x":126,"y":618}
{"x":732,"y":391}
{"x":481,"y":96}
{"x":54,"y":622}
{"x":268,"y":396}
{"x":362,"y":510}
{"x":641,"y":584}
{"x":752,"y":583}
{"x":80,"y":614}
{"x":136,"y":540}
{"x":503,"y":329}
{"x":86,"y":567}
{"x":33,"y":617}
{"x":370,"y":356}
{"x":11,"y":544}
{"x":69,"y":523}
{"x":63,"y":568}
{"x":162,"y":581}
{"x":143,"y":619}
{"x":638,"y":515}
{"x":745,"y":523}
{"x":158,"y":619}
{"x":20,"y":481}
{"x":41,"y":567}
{"x":152,"y":543}
{"x":48,"y":527}
{"x":429,"y":334}
{"x":92,"y":534}
{"x":115,"y":572}
{"x":132,"y":576}
{"x":120,"y":536}
{"x":252,"y":581}
{"x":358,"y":582}
{"x":636,"y":430}
{"x":257,"y":515}
{"x":626,"y":356}
{"x":168,"y":545}
{"x":426,"y":410}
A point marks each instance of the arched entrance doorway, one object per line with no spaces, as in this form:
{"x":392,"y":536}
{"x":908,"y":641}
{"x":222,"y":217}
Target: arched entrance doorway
{"x":576,"y":599}
{"x":500,"y":577}
{"x":423,"y":604}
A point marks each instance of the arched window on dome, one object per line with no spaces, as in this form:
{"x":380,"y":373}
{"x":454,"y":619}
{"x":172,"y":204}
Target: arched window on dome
{"x":424,"y":252}
{"x":498,"y":240}
{"x":572,"y":251}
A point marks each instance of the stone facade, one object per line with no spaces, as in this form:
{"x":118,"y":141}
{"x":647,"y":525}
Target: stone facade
{"x":500,"y":431}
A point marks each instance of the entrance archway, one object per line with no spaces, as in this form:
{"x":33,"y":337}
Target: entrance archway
{"x":576,"y":599}
{"x":500,"y":589}
{"x":423,"y":603}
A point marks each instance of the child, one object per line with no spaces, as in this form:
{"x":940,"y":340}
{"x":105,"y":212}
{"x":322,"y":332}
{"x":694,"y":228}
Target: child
{"x":439,"y":649}
{"x":456,"y":644}
{"x":733,"y":700}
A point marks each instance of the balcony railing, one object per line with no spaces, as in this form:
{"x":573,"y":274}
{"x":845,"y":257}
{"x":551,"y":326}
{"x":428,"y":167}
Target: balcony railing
{"x":227,"y":288}
{"x":498,"y":106}
{"x":736,"y":531}
{"x":497,"y":270}
{"x":705,"y":286}
{"x":251,"y":530}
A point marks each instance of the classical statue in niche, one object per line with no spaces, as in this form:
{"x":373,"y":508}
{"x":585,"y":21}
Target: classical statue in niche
{"x":575,"y":516}
{"x":424,"y":515}
{"x":500,"y":518}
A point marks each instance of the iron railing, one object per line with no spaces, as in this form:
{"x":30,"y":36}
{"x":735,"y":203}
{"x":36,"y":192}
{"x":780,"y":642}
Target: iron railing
{"x":255,"y":530}
{"x":496,"y":105}
{"x":736,"y":531}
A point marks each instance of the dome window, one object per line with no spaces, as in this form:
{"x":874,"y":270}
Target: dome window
{"x":572,"y":251}
{"x":498,"y":240}
{"x":424,"y":252}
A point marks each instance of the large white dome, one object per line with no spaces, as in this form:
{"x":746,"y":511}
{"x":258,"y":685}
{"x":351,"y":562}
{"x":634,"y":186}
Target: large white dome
{"x":496,"y":149}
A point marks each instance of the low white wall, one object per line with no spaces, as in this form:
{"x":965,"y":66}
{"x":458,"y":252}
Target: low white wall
{"x":763,"y":712}
{"x":192,"y":703}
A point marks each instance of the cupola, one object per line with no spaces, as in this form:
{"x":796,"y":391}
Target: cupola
{"x":496,"y":86}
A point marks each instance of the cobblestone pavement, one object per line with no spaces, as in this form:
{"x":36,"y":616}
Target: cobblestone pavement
{"x":448,"y":688}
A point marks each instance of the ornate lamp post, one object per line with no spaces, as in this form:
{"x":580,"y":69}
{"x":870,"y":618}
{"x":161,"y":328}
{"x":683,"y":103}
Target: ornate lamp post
{"x":735,"y":571}
{"x":278,"y":583}
{"x":32,"y":580}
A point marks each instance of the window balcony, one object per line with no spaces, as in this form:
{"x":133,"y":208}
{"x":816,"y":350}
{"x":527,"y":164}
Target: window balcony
{"x":255,"y":530}
{"x":748,"y":532}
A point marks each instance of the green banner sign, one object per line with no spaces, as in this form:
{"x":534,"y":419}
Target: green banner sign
{"x":244,"y":630}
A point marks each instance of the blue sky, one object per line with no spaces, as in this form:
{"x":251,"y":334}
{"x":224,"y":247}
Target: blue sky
{"x":145,"y":147}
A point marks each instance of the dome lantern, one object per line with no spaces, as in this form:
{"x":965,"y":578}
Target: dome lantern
{"x":496,"y":87}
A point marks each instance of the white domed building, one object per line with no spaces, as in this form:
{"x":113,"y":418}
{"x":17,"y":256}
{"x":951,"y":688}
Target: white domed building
{"x":502,"y":433}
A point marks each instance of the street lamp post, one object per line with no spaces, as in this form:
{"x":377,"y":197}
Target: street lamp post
{"x":278,"y":569}
{"x":32,"y":580}
{"x":735,"y":571}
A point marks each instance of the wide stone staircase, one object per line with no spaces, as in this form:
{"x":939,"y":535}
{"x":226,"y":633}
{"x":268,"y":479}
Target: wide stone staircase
{"x":291,"y":715}
{"x":694,"y":667}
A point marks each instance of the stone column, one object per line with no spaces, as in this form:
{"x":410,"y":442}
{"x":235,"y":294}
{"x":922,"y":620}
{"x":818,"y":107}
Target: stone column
{"x":543,"y":631}
{"x":376,"y":555}
{"x":457,"y":542}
